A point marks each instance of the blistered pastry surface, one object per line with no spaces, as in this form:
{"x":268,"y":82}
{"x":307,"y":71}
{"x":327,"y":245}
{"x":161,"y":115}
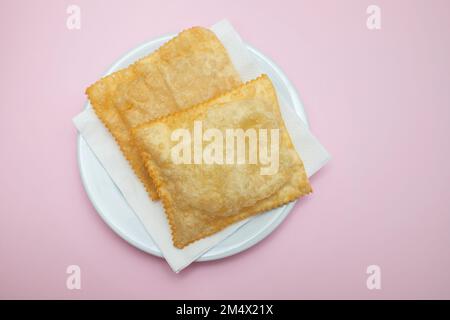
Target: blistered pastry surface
{"x":201,"y":199}
{"x":190,"y":68}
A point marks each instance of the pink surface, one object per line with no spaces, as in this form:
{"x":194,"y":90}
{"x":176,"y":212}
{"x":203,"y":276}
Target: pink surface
{"x":378,"y":100}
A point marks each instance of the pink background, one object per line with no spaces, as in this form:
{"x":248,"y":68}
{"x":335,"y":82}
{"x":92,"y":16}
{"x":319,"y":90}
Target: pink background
{"x":378,"y":100}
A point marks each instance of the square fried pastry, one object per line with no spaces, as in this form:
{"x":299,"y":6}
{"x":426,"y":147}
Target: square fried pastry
{"x":204,"y":181}
{"x":191,"y":68}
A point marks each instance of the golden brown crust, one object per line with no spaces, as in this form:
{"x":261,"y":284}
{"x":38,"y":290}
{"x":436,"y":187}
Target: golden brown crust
{"x":196,"y":203}
{"x":100,"y":97}
{"x":190,"y":68}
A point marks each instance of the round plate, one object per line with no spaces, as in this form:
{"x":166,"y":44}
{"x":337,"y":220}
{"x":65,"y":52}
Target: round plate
{"x":112,"y":207}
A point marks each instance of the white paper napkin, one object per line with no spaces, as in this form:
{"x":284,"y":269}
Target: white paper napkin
{"x":150,"y":213}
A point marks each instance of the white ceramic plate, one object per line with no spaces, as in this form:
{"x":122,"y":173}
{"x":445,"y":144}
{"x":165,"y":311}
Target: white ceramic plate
{"x":112,"y":207}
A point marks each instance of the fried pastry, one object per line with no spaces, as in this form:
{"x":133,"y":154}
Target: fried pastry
{"x":190,"y":68}
{"x":202,"y":187}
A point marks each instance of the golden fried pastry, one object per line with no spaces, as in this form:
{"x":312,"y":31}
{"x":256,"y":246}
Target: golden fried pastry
{"x":189,"y":69}
{"x":222,"y":161}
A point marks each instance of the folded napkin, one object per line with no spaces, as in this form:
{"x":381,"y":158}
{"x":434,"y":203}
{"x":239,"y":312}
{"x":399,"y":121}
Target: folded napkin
{"x":150,"y":213}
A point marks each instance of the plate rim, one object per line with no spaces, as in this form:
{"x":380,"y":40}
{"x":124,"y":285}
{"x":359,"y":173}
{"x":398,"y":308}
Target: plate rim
{"x":253,"y":240}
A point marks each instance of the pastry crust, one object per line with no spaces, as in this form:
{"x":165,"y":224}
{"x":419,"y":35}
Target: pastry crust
{"x":190,"y":68}
{"x":202,"y":199}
